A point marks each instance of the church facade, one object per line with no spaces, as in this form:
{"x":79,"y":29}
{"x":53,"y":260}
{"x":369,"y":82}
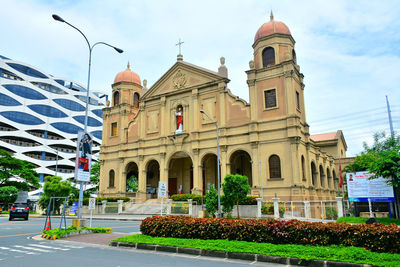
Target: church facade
{"x":169,"y":132}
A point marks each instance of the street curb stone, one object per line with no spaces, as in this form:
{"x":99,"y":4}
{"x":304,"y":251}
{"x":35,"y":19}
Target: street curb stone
{"x":237,"y":255}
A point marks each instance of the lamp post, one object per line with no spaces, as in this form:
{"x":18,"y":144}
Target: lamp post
{"x":218,"y":173}
{"x":58,"y":18}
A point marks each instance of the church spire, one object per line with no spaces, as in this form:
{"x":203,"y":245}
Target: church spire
{"x":271,"y":16}
{"x":128,"y":66}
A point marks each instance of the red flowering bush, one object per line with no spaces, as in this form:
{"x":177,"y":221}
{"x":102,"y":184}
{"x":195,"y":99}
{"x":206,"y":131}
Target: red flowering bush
{"x":375,"y":237}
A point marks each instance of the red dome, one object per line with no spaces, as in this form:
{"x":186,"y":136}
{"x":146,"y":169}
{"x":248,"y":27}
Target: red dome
{"x":271,"y":27}
{"x":127,"y":76}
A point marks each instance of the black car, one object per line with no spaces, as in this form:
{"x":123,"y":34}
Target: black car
{"x":19,"y":210}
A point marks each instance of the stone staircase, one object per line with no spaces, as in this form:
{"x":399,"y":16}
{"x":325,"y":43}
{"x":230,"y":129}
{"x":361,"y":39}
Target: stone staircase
{"x":149,"y":207}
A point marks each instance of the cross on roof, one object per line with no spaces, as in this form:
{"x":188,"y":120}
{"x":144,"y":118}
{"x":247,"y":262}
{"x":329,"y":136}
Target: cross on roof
{"x":179,"y":43}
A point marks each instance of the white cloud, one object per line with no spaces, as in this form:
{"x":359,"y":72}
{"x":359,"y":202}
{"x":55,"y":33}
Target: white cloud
{"x":349,"y":51}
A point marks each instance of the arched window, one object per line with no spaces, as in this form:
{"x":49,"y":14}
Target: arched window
{"x":268,"y":56}
{"x":136,"y":100}
{"x":294,"y":56}
{"x":303,"y":171}
{"x":321,"y":176}
{"x":314,"y":174}
{"x":116,"y":98}
{"x":111,"y":179}
{"x":274,"y":167}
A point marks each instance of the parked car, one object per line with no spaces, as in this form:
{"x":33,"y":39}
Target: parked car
{"x":19,"y":210}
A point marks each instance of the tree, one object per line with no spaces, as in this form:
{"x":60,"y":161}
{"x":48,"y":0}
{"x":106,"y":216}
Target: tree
{"x":132,"y":184}
{"x":95,"y":177}
{"x":382,"y":159}
{"x":54,"y":187}
{"x":13,"y":167}
{"x":212,"y":201}
{"x":235,"y":188}
{"x":8,"y":194}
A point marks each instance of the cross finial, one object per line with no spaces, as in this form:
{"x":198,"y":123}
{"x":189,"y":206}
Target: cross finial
{"x":180,"y":43}
{"x":271,"y":16}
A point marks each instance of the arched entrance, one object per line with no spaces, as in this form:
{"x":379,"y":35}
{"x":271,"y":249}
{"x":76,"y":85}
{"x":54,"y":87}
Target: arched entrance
{"x":241,"y":164}
{"x":209,"y":172}
{"x":152,"y":178}
{"x":180,"y":174}
{"x":132,"y":174}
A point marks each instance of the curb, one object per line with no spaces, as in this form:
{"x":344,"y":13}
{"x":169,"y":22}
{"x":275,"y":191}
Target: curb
{"x":53,"y":237}
{"x":237,"y":256}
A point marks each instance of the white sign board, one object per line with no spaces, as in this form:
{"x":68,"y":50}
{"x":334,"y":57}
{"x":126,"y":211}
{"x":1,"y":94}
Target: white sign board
{"x":162,"y":189}
{"x":361,"y":188}
{"x":92,"y":203}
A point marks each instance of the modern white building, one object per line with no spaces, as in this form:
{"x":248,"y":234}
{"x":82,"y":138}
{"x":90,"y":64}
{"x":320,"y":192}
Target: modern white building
{"x":40,"y":116}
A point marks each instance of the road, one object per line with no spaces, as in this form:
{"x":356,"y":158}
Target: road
{"x":21,"y":246}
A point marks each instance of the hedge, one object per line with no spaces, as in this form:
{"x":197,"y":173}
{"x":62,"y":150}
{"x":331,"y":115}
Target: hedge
{"x":375,"y":237}
{"x":249,"y":200}
{"x":85,"y":200}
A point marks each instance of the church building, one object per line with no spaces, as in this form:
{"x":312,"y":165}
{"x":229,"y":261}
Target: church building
{"x":168,"y":132}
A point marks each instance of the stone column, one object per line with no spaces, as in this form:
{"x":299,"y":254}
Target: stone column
{"x":103,"y":206}
{"x":259,"y":206}
{"x":120,"y":203}
{"x":307,"y":209}
{"x":339,"y":206}
{"x":169,"y":204}
{"x":276,"y":207}
{"x":141,"y":193}
{"x":190,"y":201}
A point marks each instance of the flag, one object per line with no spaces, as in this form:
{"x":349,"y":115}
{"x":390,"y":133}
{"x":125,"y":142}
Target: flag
{"x":340,"y":174}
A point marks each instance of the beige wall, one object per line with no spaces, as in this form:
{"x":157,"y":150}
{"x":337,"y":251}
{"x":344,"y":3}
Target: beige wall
{"x":148,"y":133}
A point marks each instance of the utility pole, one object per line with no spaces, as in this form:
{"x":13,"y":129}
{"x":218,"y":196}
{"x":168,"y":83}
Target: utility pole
{"x":395,"y":188}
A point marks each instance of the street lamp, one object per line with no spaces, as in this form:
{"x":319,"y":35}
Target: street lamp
{"x":218,"y":173}
{"x":58,"y":18}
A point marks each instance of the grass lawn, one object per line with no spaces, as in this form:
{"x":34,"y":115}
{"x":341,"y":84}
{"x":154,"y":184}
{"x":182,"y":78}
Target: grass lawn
{"x":363,"y":220}
{"x":333,"y":253}
{"x":62,"y":232}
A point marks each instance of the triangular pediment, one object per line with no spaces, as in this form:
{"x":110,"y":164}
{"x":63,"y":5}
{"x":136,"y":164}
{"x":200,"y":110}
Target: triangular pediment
{"x":181,"y":76}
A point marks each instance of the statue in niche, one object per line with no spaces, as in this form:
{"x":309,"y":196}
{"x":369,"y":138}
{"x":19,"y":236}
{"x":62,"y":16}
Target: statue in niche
{"x":179,"y":121}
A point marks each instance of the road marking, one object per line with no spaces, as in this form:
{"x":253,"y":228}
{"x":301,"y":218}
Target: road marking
{"x":42,"y":246}
{"x":29,"y":248}
{"x":20,"y":234}
{"x":70,"y":246}
{"x":17,"y":250}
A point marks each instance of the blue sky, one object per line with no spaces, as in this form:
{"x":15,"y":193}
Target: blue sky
{"x":348,"y":51}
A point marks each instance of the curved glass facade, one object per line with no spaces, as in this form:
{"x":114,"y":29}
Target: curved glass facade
{"x":27,"y":70}
{"x":5,"y":100}
{"x":97,"y":134}
{"x":91,"y":121}
{"x":24,"y":91}
{"x":41,"y":114}
{"x":69,"y":104}
{"x":66,"y":127}
{"x":98,"y":112}
{"x":21,"y":117}
{"x":48,"y":111}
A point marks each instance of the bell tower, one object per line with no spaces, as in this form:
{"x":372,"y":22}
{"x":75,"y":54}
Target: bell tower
{"x":275,"y":83}
{"x":126,"y":93}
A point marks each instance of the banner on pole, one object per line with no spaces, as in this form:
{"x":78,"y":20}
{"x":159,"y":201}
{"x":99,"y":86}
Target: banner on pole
{"x":83,"y":162}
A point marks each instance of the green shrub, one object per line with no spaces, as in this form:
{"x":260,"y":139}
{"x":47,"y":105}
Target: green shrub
{"x":269,"y":209}
{"x":197,"y":199}
{"x":180,"y":208}
{"x":212,"y":201}
{"x":59,"y":233}
{"x":331,"y":213}
{"x":375,"y":237}
{"x":249,"y":200}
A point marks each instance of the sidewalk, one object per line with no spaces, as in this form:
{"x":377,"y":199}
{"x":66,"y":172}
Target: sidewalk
{"x":116,"y":217}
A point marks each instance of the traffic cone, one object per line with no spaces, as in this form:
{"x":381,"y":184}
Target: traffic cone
{"x":48,"y":225}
